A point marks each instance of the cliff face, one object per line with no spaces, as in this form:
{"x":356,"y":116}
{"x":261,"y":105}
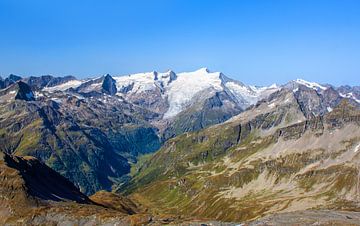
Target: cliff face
{"x":24,"y":92}
{"x":109,"y":85}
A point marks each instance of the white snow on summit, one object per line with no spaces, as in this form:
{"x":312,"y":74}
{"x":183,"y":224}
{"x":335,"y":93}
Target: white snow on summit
{"x":187,"y":85}
{"x":62,"y":87}
{"x":312,"y":85}
{"x":141,"y":81}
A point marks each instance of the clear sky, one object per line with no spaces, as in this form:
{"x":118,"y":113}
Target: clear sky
{"x":257,"y":42}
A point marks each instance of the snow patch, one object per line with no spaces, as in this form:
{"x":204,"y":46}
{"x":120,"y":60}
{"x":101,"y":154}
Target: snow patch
{"x":312,"y":85}
{"x":38,"y":94}
{"x":78,"y":97}
{"x":249,"y":95}
{"x":62,"y":87}
{"x":357,"y":148}
{"x":57,"y":100}
{"x":349,"y":95}
{"x":287,"y":100}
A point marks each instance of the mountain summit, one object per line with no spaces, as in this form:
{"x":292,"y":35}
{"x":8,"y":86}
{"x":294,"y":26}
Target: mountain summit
{"x":109,"y":85}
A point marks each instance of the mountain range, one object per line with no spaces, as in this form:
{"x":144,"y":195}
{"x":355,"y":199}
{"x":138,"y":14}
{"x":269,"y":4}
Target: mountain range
{"x":196,"y":144}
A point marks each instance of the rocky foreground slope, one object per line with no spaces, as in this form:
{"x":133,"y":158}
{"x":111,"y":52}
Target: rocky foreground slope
{"x":33,"y":194}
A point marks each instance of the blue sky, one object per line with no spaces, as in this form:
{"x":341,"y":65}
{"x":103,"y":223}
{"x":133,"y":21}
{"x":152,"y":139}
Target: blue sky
{"x":257,"y":42}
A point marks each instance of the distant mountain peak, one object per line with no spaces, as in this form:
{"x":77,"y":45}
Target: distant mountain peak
{"x":14,"y":77}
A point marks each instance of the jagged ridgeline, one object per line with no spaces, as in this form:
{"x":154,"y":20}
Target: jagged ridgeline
{"x":92,"y":131}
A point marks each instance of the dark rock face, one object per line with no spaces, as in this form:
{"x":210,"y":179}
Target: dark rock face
{"x":331,"y":97}
{"x":14,"y":78}
{"x":24,"y":92}
{"x":318,"y":100}
{"x":126,"y":89}
{"x":173,"y":77}
{"x":309,"y":101}
{"x":109,"y":85}
{"x":315,"y":103}
{"x":38,"y":83}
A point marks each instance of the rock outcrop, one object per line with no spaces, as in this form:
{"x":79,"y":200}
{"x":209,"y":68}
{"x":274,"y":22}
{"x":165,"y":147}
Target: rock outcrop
{"x":24,"y":92}
{"x":109,"y":85}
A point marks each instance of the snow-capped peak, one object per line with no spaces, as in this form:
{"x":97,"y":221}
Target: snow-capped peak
{"x":140,"y":81}
{"x":273,"y":86}
{"x":312,"y":85}
{"x":203,"y":70}
{"x":64,"y":86}
{"x":187,"y":84}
